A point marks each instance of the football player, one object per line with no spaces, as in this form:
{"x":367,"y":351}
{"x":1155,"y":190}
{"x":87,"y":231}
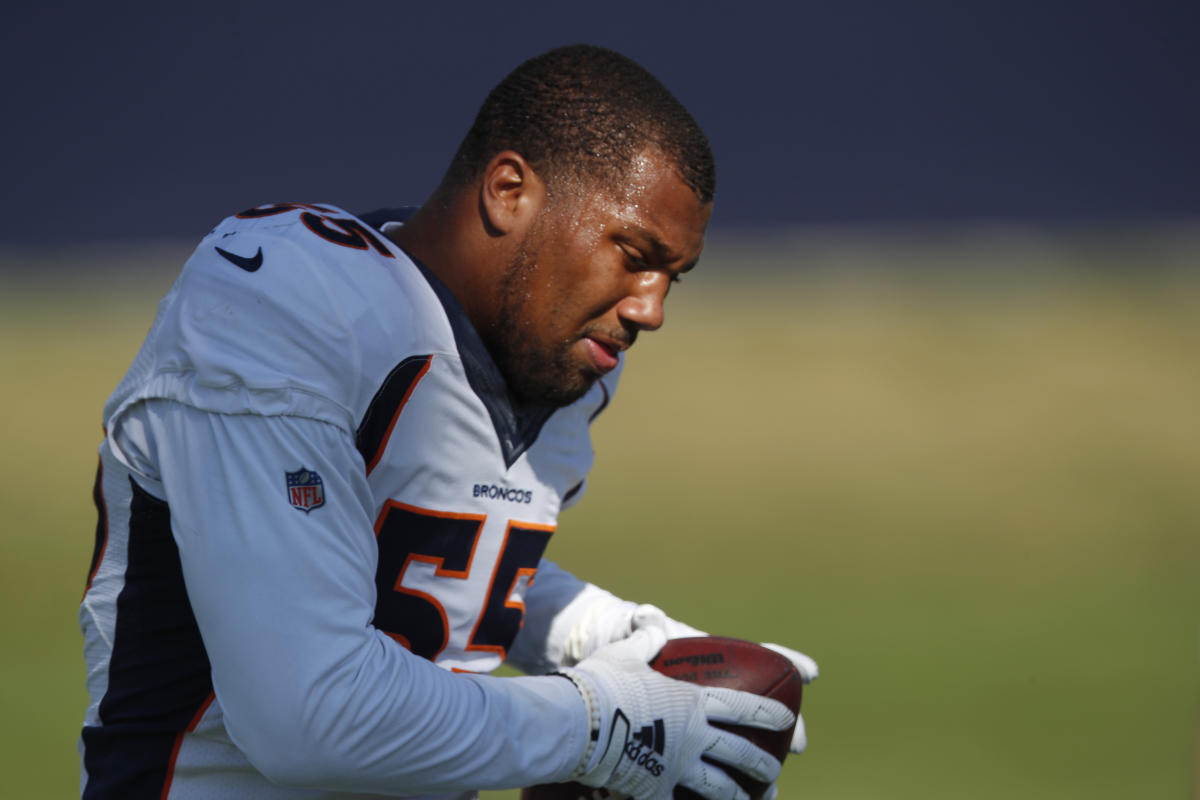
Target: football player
{"x":332,"y":470}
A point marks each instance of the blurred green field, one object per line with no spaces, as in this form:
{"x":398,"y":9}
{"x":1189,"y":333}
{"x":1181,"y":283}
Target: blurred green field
{"x":972,"y":496}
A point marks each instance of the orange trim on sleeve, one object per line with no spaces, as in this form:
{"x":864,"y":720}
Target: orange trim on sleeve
{"x":191,"y":726}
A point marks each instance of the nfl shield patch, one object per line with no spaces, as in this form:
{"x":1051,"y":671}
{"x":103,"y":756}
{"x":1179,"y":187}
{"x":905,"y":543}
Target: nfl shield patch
{"x":305,"y":489}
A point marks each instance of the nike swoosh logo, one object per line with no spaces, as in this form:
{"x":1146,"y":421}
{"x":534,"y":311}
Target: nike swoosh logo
{"x":248,"y":263}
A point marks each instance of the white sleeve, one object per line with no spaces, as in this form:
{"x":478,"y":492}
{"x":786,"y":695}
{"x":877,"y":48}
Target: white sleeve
{"x":312,"y":693}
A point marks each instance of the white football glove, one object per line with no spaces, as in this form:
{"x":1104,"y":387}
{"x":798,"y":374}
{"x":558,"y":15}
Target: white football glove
{"x":651,"y":732}
{"x":648,"y":616}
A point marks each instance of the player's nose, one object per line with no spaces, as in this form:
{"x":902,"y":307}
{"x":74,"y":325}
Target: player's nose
{"x":643,"y":305}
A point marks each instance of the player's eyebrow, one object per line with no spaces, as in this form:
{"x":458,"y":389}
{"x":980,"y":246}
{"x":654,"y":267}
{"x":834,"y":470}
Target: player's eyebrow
{"x":653,"y":246}
{"x":666,"y":255}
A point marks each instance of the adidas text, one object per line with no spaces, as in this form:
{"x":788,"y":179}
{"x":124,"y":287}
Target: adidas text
{"x":643,"y":758}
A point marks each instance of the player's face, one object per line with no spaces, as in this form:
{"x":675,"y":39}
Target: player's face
{"x":590,"y":276}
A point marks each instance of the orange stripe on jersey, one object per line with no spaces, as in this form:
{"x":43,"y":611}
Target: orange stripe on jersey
{"x":377,"y":424}
{"x":428,"y":512}
{"x":524,"y":572}
{"x":403,"y":540}
{"x":509,"y":559}
{"x":191,"y":726}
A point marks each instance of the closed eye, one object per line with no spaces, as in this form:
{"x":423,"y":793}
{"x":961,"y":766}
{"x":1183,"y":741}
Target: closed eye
{"x":635,"y":259}
{"x":639,"y":262}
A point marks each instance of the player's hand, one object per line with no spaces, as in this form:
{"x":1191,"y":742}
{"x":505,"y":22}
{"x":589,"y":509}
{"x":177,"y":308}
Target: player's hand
{"x":808,"y":673}
{"x":652,"y":730}
{"x":804,"y":665}
{"x":648,"y":616}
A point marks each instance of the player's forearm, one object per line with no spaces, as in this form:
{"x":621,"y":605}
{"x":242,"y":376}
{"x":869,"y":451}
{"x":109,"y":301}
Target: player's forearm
{"x":354,"y":711}
{"x":434,"y":731}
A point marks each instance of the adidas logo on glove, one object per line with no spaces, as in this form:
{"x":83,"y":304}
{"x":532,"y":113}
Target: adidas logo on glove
{"x":653,"y":738}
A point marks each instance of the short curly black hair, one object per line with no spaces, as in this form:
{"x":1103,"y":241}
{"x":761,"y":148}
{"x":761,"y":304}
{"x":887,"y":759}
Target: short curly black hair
{"x":587,"y":112}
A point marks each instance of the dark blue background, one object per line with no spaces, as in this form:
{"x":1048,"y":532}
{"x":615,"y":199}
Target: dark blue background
{"x":133,"y":120}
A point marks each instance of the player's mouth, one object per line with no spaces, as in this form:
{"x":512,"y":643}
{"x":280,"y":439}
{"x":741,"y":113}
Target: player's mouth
{"x":602,"y":353}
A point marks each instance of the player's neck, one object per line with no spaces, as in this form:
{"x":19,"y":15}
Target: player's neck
{"x":445,"y":235}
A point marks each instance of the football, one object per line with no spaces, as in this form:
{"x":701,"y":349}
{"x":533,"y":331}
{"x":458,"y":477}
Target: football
{"x":712,"y":661}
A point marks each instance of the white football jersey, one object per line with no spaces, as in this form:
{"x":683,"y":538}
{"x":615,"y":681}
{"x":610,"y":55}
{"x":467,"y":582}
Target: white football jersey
{"x":313,"y":475}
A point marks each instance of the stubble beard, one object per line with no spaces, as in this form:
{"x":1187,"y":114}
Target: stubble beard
{"x":536,"y":375}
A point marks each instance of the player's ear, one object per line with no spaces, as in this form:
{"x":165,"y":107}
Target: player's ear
{"x":512,"y":194}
